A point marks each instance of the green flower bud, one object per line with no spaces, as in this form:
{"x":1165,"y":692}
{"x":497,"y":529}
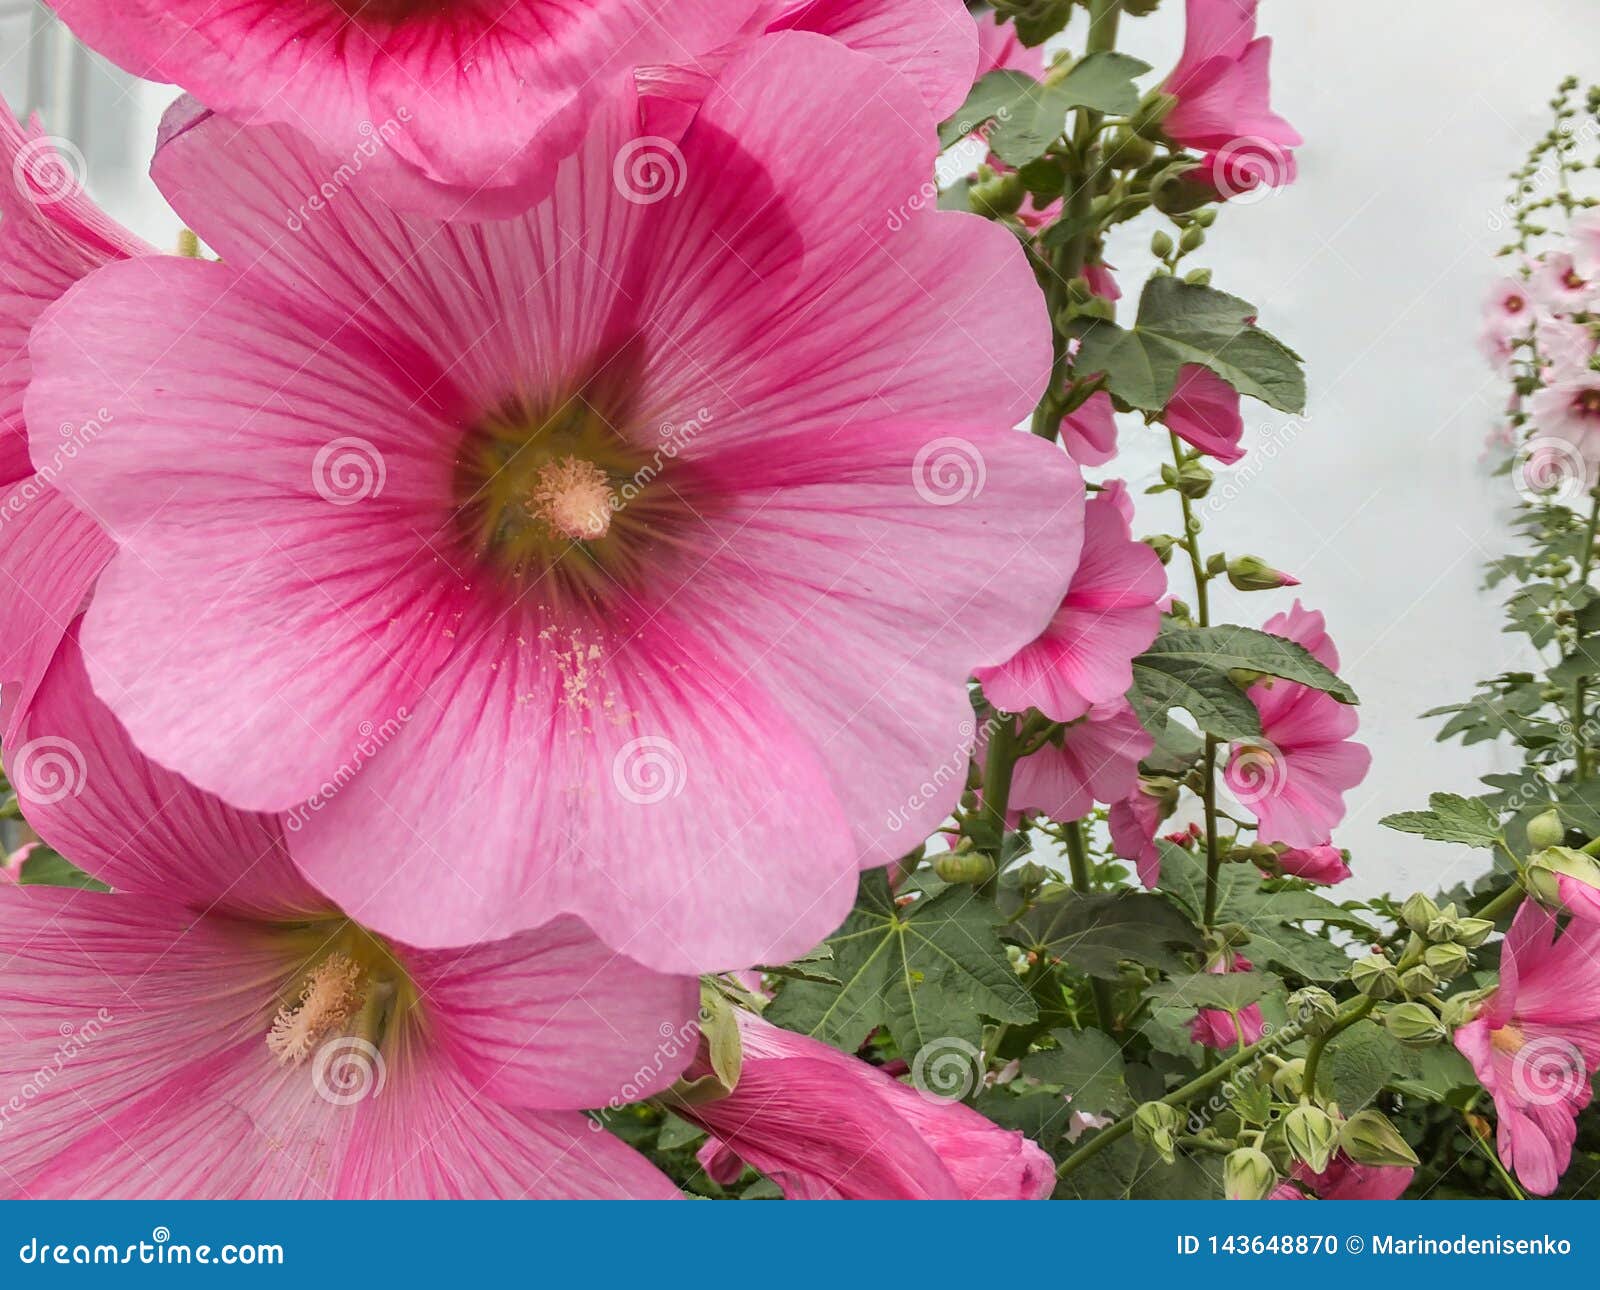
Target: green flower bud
{"x":1162,"y":545}
{"x":1312,"y":1135}
{"x":1369,"y":1139}
{"x":1552,"y":864}
{"x":1152,"y":112}
{"x":1129,"y":151}
{"x":1247,"y":1174}
{"x":1314,"y":1008}
{"x":1251,"y":573}
{"x":963,"y":867}
{"x":1447,"y":961}
{"x":1194,"y":480}
{"x":1418,"y":912}
{"x":1198,"y":277}
{"x":1546,"y":830}
{"x":1445,"y":925}
{"x":1473,"y":932}
{"x":1002,"y":195}
{"x":1419,"y":981}
{"x":1192,"y":238}
{"x":1289,"y":1080}
{"x":1414,"y":1024}
{"x":1157,"y":1125}
{"x":1161,"y":244}
{"x":1375,"y":976}
{"x":1459,"y":1009}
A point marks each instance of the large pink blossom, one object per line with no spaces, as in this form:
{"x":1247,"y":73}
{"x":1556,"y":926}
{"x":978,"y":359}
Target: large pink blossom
{"x":1569,"y":411}
{"x":51,"y":235}
{"x":1510,"y":306}
{"x":630,"y":531}
{"x":824,"y":1125}
{"x":1560,"y":285}
{"x":1094,"y":759}
{"x":217,"y":1029}
{"x":1222,"y":85}
{"x":1537,"y":1042}
{"x":449,"y":103}
{"x":1294,"y":778}
{"x":1110,"y":615}
{"x":1204,"y":412}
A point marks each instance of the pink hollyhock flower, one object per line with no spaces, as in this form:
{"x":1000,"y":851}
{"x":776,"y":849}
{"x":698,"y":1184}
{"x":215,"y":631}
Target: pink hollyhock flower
{"x":1323,"y":864}
{"x":1510,"y":307}
{"x":545,"y":534}
{"x":1000,"y":48}
{"x":1499,"y":349}
{"x":1537,"y":1042}
{"x":1089,"y":432}
{"x":234,"y":1035}
{"x":1295,"y":777}
{"x":1204,"y":412}
{"x":1133,"y":823}
{"x":1585,"y":233}
{"x":1110,"y":615}
{"x":824,"y":1125}
{"x":1096,"y":759}
{"x":1565,"y":348}
{"x":1222,"y":85}
{"x":449,"y":104}
{"x":1243,"y":167}
{"x":1219,"y":1028}
{"x":51,"y":235}
{"x":1344,"y":1179}
{"x":1570,"y":411}
{"x":1560,"y":286}
{"x":1102,"y":281}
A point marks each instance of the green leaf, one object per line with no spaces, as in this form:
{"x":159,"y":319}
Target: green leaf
{"x":1098,"y":932}
{"x":1228,"y":648}
{"x":814,"y":966}
{"x":1358,"y":1063}
{"x":1229,"y":991}
{"x":1218,"y":706}
{"x":1087,"y":1066}
{"x":1181,"y":322}
{"x":1103,"y":82}
{"x":44,"y":868}
{"x":929,"y":971}
{"x":1450,"y":818}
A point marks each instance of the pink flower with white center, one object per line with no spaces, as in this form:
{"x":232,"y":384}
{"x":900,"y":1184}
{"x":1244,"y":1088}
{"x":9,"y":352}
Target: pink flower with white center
{"x":1570,"y":411}
{"x":1560,"y":286}
{"x":1324,"y":864}
{"x":568,"y":521}
{"x":450,"y":105}
{"x":824,"y":1125}
{"x":1537,"y":1042}
{"x":1204,"y":412}
{"x":1094,"y":759}
{"x":1222,"y":84}
{"x":1510,"y":307}
{"x":1133,"y":822}
{"x":1344,"y":1179}
{"x":1110,"y":615}
{"x":51,"y":235}
{"x":1294,"y":778}
{"x":1217,"y":1027}
{"x":1089,"y":431}
{"x":234,"y":1035}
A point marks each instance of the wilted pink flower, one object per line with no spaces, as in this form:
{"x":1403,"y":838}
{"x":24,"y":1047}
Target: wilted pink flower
{"x":824,"y":1125}
{"x":1089,"y":432}
{"x":231,"y":1034}
{"x":1537,"y":1042}
{"x":1344,"y":1179}
{"x":1102,"y":281}
{"x":1294,"y":778}
{"x":570,"y":518}
{"x":1560,"y":286}
{"x":1570,"y":410}
{"x":1323,"y":864}
{"x":1095,"y":759}
{"x":455,"y":104}
{"x":1509,"y":307}
{"x":1110,"y":615}
{"x":1222,"y":85}
{"x":51,"y":235}
{"x":1219,"y":1028}
{"x":1204,"y":412}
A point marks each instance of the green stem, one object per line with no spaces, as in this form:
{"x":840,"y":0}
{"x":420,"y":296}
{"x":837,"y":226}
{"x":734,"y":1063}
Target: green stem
{"x":1580,"y":720}
{"x":1319,"y":1042}
{"x":1078,"y":857}
{"x":998,"y":768}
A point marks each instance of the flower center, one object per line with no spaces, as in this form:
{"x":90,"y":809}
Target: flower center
{"x":1513,"y":304}
{"x":1508,"y":1040}
{"x":574,"y":498}
{"x":1587,"y":402}
{"x":348,"y":983}
{"x":1574,"y":281}
{"x":328,"y":996}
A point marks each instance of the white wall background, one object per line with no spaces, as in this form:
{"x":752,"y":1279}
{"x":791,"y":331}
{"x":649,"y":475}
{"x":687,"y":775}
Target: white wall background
{"x":1372,"y":266}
